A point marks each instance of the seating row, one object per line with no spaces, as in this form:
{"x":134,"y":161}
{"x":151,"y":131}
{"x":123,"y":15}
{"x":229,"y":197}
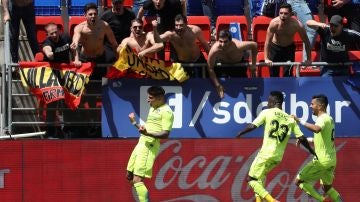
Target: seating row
{"x":259,"y":26}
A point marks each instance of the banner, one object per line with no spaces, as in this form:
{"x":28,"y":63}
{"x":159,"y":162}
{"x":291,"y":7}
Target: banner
{"x":192,"y":170}
{"x":51,"y":82}
{"x":200,"y":113}
{"x":149,"y":67}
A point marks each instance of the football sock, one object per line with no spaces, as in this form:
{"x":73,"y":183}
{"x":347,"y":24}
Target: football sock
{"x":269,"y":198}
{"x":142,"y":192}
{"x":258,"y":188}
{"x":334,"y":195}
{"x":309,"y":189}
{"x":258,"y":199}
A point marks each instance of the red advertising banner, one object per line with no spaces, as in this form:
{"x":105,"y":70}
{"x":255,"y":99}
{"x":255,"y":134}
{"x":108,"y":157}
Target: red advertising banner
{"x":185,"y":170}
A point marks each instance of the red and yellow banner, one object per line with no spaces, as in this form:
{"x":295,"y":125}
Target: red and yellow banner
{"x":148,"y":67}
{"x":51,"y":82}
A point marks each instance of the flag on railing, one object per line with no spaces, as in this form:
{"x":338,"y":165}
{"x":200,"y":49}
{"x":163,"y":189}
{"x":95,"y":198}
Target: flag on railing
{"x":147,"y":67}
{"x":52,"y":81}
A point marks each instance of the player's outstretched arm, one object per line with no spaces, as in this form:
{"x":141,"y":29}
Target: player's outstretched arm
{"x":249,"y":127}
{"x":303,"y":140}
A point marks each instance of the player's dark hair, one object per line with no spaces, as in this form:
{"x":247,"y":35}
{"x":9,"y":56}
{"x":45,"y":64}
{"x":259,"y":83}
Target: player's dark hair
{"x":225,"y":34}
{"x":286,"y":5}
{"x":277,"y":97}
{"x":179,"y":17}
{"x":322,"y":99}
{"x":89,"y":6}
{"x":156,"y":91}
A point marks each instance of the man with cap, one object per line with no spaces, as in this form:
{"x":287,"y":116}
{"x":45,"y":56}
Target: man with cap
{"x":335,"y":42}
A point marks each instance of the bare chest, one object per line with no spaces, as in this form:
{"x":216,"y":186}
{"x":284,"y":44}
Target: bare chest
{"x":92,"y":34}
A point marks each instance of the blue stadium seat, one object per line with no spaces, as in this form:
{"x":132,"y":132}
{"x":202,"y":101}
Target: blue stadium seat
{"x":194,"y":7}
{"x":223,"y":22}
{"x":229,"y":7}
{"x":76,"y":7}
{"x":47,"y":7}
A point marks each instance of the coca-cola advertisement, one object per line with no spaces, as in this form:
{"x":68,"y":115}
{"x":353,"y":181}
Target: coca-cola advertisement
{"x":185,"y":170}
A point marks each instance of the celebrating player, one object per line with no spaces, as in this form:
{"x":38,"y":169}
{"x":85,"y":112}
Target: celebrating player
{"x":323,"y":167}
{"x":278,"y":127}
{"x":158,"y":126}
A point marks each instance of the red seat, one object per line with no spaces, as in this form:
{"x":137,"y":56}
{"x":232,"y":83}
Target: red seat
{"x":260,"y":25}
{"x":307,"y":70}
{"x":223,"y":22}
{"x":354,"y":55}
{"x":262,"y":71}
{"x":42,"y":21}
{"x":127,"y":3}
{"x":203,"y":22}
{"x":73,"y":21}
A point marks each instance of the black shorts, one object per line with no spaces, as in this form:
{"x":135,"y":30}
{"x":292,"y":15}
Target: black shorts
{"x":195,"y":72}
{"x":281,"y":54}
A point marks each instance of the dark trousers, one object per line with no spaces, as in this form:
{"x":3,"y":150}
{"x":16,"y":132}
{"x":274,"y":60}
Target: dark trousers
{"x":27,"y":15}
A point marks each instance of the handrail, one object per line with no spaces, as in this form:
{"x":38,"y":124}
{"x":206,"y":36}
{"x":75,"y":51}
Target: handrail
{"x":245,"y":64}
{"x":5,"y":91}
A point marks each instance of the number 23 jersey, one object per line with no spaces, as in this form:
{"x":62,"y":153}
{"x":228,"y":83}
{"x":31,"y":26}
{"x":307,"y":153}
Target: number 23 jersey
{"x":278,"y":126}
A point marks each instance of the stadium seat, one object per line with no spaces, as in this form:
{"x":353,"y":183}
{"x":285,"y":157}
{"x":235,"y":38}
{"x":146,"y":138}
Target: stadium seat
{"x":223,"y":22}
{"x":47,"y":8}
{"x":194,"y":7}
{"x":260,"y":25}
{"x":41,"y":21}
{"x":307,"y":70}
{"x":73,"y":21}
{"x":127,"y":3}
{"x":203,"y":22}
{"x":354,"y":55}
{"x":229,"y":7}
{"x":262,"y":71}
{"x":76,"y":8}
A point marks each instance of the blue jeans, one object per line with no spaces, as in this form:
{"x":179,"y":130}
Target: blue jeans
{"x":136,"y":6}
{"x":303,"y":13}
{"x":27,"y":15}
{"x":208,"y":7}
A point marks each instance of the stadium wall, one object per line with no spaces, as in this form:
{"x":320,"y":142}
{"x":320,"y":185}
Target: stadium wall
{"x":185,"y":170}
{"x":200,"y":113}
